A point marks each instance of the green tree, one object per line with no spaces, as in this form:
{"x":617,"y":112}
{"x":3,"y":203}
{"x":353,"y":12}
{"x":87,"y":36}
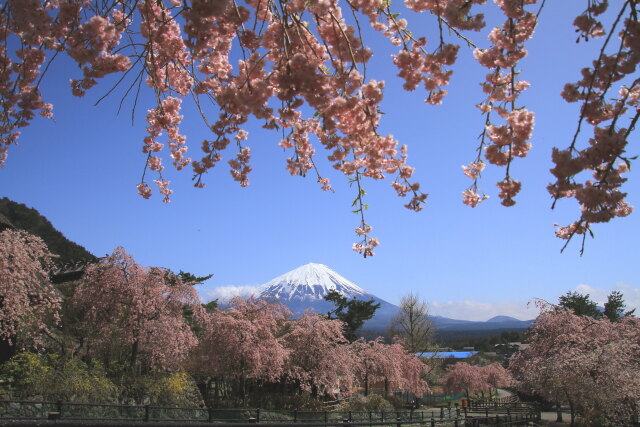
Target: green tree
{"x":353,"y":313}
{"x":615,"y":307}
{"x":580,"y":304}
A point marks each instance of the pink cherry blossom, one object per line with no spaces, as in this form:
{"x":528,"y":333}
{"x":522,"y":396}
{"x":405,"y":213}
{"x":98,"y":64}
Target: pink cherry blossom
{"x":30,"y":302}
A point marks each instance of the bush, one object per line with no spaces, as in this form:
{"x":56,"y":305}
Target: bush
{"x":25,"y":376}
{"x":49,"y":377}
{"x":360,"y":403}
{"x":170,"y":389}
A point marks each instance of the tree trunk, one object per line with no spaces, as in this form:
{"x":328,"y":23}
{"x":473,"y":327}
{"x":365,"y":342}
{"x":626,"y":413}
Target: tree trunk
{"x":366,"y":385}
{"x":134,"y":354}
{"x":573,"y":413}
{"x":558,"y":413}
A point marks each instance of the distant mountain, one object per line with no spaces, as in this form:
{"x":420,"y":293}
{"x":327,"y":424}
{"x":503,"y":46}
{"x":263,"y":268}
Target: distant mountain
{"x":31,"y":221}
{"x":305,"y":287}
{"x":499,"y":319}
{"x":497,"y":323}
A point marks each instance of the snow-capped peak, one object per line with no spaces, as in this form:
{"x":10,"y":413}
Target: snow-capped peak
{"x":309,"y":281}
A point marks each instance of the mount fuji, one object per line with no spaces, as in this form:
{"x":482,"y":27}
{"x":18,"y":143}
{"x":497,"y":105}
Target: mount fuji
{"x":305,"y":288}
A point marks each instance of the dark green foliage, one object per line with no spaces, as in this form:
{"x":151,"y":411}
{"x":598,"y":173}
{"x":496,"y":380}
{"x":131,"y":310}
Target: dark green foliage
{"x":31,"y":221}
{"x":211,"y":306}
{"x":193,"y":279}
{"x":353,"y":313}
{"x":615,"y":307}
{"x":580,"y":304}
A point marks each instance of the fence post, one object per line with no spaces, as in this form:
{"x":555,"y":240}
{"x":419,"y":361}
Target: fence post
{"x":146,"y":412}
{"x":258,"y":415}
{"x":441,"y":413}
{"x":399,"y":422}
{"x":295,"y":416}
{"x":370,"y":418}
{"x":433,"y":422}
{"x":326,"y":417}
{"x":350,"y":419}
{"x":210,"y":414}
{"x":59,"y":407}
{"x":497,"y":419}
{"x":381,"y":416}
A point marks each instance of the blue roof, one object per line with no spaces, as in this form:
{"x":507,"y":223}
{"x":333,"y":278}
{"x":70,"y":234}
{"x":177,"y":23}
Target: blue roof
{"x":447,"y":354}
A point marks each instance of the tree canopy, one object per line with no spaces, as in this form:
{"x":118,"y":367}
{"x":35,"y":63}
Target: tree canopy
{"x":582,"y":305}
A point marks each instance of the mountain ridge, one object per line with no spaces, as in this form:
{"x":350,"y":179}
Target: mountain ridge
{"x":32,"y":221}
{"x":304,"y":288}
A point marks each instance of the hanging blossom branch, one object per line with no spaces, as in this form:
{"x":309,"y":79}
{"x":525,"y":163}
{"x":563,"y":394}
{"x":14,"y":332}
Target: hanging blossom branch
{"x":502,"y":143}
{"x":613,"y":118}
{"x":307,"y":56}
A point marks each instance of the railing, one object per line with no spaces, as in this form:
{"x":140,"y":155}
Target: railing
{"x":30,"y":410}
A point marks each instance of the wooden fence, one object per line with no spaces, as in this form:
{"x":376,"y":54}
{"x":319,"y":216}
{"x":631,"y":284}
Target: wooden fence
{"x":86,"y":414}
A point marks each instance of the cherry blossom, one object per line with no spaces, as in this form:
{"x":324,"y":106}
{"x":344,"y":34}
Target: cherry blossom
{"x":139,"y":308}
{"x":389,"y":363}
{"x":27,"y":297}
{"x":589,"y":364}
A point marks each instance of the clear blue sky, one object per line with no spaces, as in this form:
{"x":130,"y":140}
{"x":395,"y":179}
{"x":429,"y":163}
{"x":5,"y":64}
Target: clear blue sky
{"x":80,"y":171}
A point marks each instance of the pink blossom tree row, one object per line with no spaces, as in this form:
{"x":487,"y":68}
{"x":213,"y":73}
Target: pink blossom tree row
{"x":301,"y":69}
{"x":258,"y":348}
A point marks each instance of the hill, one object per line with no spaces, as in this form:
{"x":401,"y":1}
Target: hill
{"x":31,"y":221}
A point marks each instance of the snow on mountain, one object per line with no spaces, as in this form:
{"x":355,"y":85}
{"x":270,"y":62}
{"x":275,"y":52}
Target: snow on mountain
{"x":305,"y":287}
{"x":310,"y":281}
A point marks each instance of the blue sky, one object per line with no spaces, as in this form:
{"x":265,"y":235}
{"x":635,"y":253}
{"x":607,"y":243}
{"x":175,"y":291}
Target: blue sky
{"x":80,"y":171}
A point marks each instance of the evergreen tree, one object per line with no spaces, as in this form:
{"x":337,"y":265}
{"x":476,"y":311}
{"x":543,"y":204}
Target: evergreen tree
{"x":580,"y":304}
{"x":353,"y":313}
{"x":615,"y":307}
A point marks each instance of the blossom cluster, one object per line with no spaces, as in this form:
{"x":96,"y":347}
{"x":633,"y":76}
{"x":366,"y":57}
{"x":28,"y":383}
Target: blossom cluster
{"x":599,"y":190}
{"x":511,"y":138}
